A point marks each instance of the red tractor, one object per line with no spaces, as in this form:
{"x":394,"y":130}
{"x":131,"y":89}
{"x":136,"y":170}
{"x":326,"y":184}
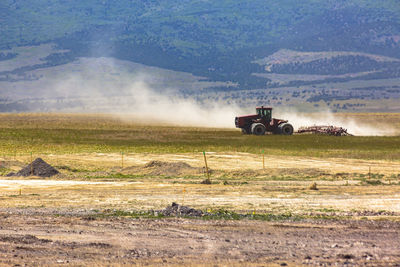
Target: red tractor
{"x":263,"y":122}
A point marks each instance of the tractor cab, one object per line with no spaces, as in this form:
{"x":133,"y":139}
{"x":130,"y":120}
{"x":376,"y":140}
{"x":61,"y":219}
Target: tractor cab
{"x":264,"y":113}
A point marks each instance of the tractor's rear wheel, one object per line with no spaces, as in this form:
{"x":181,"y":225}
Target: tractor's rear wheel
{"x":258,"y":129}
{"x":285,"y":129}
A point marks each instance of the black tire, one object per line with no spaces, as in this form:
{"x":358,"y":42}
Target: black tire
{"x":246,"y":130}
{"x":285,"y":129}
{"x":258,"y":129}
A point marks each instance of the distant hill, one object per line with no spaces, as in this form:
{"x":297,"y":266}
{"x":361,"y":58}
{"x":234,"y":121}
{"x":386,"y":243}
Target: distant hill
{"x":230,"y":42}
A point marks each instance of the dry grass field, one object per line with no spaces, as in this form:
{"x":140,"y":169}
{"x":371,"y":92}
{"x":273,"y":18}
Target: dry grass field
{"x":116,"y":175}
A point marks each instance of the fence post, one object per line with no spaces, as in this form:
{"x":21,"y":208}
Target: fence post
{"x":369,"y":172}
{"x":205,"y":162}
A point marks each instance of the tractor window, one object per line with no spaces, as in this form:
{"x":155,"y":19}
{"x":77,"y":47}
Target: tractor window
{"x":267,"y":114}
{"x":264,"y":113}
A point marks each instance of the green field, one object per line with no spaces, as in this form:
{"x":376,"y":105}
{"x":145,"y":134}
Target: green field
{"x":64,"y":134}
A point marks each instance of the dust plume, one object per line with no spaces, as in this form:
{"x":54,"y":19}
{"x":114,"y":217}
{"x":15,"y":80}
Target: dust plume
{"x":151,"y":95}
{"x":145,"y":104}
{"x":136,"y":93}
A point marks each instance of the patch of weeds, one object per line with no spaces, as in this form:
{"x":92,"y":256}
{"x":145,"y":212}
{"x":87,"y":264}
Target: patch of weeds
{"x":185,"y":182}
{"x":222,"y":214}
{"x":67,"y":168}
{"x":275,"y":217}
{"x":232,"y":183}
{"x":342,"y":174}
{"x":377,"y":176}
{"x":119,"y":175}
{"x":164,"y":177}
{"x":327,"y":210}
{"x":290,"y":178}
{"x":4,"y":171}
{"x":372,"y":182}
{"x":219,"y":214}
{"x":325,"y":217}
{"x":113,"y":175}
{"x":134,"y":214}
{"x":326,"y":178}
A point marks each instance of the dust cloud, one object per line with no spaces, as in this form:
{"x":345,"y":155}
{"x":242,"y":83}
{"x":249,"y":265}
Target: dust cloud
{"x":145,"y":104}
{"x":142,"y":96}
{"x":148,"y":105}
{"x":138,"y":102}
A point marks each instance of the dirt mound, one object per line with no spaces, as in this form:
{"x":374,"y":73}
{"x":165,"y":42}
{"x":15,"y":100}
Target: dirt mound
{"x":162,"y":164}
{"x":156,"y":167}
{"x":179,"y":210}
{"x":37,"y":168}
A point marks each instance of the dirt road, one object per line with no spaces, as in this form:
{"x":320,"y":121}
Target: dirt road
{"x":34,"y":238}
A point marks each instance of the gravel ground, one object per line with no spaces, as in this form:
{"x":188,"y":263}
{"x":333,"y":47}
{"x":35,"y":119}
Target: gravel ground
{"x":76,"y":237}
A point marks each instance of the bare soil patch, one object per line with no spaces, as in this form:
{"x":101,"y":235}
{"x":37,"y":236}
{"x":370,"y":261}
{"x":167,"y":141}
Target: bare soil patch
{"x":45,"y":239}
{"x":157,"y":167}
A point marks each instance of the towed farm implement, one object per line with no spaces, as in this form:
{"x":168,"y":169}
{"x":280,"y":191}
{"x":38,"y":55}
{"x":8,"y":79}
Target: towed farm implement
{"x":326,"y":130}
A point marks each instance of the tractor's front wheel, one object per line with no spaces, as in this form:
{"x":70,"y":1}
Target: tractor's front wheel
{"x":258,"y":129}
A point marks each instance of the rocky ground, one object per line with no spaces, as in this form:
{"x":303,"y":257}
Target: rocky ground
{"x":34,"y":237}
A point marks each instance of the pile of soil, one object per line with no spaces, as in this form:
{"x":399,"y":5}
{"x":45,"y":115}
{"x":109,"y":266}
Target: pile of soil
{"x":156,"y":167}
{"x":179,"y":210}
{"x":37,"y":168}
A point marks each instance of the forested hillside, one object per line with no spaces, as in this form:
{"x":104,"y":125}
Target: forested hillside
{"x":223,"y":41}
{"x":209,"y":37}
